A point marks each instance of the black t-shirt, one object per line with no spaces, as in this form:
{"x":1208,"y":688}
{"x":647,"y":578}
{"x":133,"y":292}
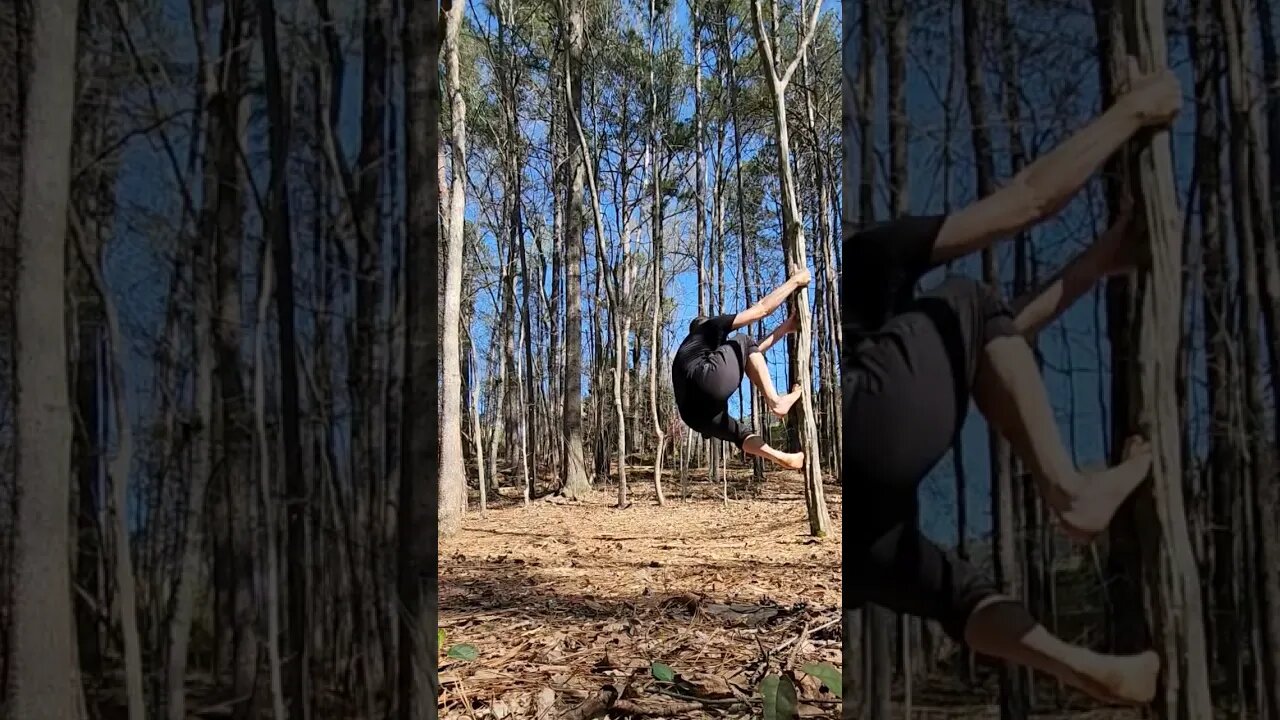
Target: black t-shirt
{"x":696,"y":346}
{"x":881,"y":266}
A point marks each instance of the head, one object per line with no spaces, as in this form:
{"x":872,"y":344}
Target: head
{"x":697,"y":323}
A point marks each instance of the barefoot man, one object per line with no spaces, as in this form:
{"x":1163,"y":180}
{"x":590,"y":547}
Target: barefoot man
{"x":709,"y":366}
{"x":917,"y":361}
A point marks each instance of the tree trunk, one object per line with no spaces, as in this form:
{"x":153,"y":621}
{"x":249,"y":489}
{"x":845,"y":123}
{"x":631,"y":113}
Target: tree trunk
{"x":280,"y":233}
{"x":43,"y":681}
{"x":1248,"y":126}
{"x":419,"y":490}
{"x":1223,"y":465}
{"x":576,"y":481}
{"x":655,"y":228}
{"x":795,"y":251}
{"x":1171,"y":579}
{"x":15,"y":41}
{"x":1004,"y":519}
{"x":877,"y":622}
{"x":453,"y":489}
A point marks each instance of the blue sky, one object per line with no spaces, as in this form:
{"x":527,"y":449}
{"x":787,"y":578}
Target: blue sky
{"x":138,"y":273}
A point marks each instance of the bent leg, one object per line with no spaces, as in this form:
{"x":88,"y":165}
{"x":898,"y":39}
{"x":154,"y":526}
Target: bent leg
{"x":1011,"y":394}
{"x":758,"y":372}
{"x":903,"y":571}
{"x":898,"y":568}
{"x":1114,"y":251}
{"x":755,"y":445}
{"x":1000,"y":627}
{"x":723,"y":426}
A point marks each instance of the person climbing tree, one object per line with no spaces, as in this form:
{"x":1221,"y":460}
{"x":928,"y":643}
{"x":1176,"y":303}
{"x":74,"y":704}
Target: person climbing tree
{"x":914,"y":363}
{"x":709,"y":366}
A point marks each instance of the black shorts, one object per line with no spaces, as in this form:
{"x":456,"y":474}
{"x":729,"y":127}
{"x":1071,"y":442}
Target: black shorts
{"x":703,"y":401}
{"x":905,"y":395}
{"x":719,"y":426}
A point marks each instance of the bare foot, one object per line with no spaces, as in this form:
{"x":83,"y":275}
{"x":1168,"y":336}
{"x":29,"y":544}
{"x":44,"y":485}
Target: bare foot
{"x":1120,"y":679}
{"x":793,"y":461}
{"x":1090,"y":509}
{"x":783,"y":406}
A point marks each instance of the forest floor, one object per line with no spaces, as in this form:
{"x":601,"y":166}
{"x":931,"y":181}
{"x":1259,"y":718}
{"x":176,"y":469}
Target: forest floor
{"x":561,"y":600}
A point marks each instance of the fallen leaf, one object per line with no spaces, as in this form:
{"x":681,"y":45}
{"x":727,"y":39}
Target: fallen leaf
{"x":709,"y":686}
{"x":544,"y":703}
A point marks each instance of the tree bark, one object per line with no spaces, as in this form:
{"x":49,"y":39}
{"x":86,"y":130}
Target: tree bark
{"x":655,"y":229}
{"x":417,"y":687}
{"x":576,"y":481}
{"x":453,"y":474}
{"x":43,"y":681}
{"x":280,"y":234}
{"x":1171,"y":579}
{"x":795,"y":251}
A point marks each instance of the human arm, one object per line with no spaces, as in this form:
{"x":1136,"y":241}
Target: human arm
{"x":765,"y":307}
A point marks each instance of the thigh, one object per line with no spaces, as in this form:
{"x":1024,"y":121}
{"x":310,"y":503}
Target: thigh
{"x":903,"y":403}
{"x":721,"y":373}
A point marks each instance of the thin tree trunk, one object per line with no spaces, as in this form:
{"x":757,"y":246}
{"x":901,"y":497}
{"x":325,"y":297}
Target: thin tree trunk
{"x":280,"y":232}
{"x":795,"y":250}
{"x":265,"y":486}
{"x":655,"y":228}
{"x":1171,"y":578}
{"x":453,"y":492}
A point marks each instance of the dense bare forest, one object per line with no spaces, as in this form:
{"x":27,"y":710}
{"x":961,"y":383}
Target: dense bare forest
{"x":614,"y":169}
{"x":942,"y":101}
{"x":218,"y":491}
{"x":562,"y":308}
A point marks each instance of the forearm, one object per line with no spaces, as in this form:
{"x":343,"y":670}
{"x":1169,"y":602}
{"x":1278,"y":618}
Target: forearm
{"x":765,"y":307}
{"x":1040,"y":190}
{"x":772,"y":338}
{"x":1038,"y":308}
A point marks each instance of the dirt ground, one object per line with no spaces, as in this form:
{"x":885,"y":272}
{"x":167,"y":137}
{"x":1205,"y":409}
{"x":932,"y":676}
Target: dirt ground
{"x":562,"y":601}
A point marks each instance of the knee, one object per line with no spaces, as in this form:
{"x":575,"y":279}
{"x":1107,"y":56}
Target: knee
{"x":747,"y":343}
{"x":966,"y":290}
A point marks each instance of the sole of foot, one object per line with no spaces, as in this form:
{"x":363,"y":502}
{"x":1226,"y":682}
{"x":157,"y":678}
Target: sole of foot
{"x":1123,"y":679}
{"x":786,"y":402}
{"x":1092,"y":509}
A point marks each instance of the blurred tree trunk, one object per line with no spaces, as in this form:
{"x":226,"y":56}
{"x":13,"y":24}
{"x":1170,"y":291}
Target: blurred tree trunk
{"x":726,"y":57}
{"x":14,"y":44}
{"x":279,"y":231}
{"x":876,"y":621}
{"x":1013,"y":699}
{"x":1256,"y":233}
{"x":419,"y":474}
{"x":1225,"y":459}
{"x":42,"y":678}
